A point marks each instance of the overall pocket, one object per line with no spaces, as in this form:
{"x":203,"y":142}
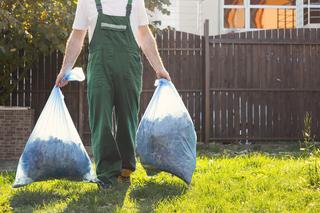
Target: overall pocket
{"x":95,"y":75}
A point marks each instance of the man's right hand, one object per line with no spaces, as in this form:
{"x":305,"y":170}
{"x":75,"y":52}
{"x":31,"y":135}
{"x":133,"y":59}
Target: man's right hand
{"x":163,"y":74}
{"x":59,"y":78}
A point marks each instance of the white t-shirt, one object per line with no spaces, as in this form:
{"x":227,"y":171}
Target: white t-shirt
{"x":86,"y":14}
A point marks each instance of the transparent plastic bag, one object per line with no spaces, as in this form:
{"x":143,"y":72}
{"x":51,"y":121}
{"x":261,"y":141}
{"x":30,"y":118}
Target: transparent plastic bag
{"x":54,"y":148}
{"x":166,"y":139}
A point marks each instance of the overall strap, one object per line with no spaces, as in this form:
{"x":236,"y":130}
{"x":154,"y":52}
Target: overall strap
{"x":99,"y":6}
{"x":129,"y":7}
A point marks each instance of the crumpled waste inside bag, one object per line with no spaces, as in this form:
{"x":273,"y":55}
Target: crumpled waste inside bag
{"x":54,"y":148}
{"x":166,"y":139}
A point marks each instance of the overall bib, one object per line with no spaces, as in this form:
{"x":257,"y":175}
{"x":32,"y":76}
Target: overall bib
{"x":114,"y":81}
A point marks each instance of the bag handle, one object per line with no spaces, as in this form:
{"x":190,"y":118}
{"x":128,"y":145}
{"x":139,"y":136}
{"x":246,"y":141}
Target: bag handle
{"x":76,"y":74}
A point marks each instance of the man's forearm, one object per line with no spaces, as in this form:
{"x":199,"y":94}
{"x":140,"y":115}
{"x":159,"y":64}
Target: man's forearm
{"x":73,"y":49}
{"x":150,"y":49}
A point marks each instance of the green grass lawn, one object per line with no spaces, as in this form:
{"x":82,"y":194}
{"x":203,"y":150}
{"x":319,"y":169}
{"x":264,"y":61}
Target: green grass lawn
{"x":248,"y":183}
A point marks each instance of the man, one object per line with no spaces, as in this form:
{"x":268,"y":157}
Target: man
{"x":117,"y":28}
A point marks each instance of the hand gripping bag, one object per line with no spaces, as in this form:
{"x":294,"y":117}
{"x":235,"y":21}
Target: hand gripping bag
{"x":166,"y":139}
{"x":54,"y":148}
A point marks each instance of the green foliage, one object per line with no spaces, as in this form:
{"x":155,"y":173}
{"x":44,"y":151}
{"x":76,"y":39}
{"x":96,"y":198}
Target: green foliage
{"x":29,"y":28}
{"x":160,"y":5}
{"x":309,"y":145}
{"x":255,"y":183}
{"x":36,"y":27}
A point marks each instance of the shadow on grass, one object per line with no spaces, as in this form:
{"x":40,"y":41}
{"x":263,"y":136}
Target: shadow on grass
{"x":149,"y":194}
{"x":65,"y":196}
{"x":107,"y":200}
{"x":25,"y":200}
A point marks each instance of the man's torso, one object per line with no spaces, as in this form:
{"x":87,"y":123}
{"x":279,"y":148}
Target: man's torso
{"x":113,"y":8}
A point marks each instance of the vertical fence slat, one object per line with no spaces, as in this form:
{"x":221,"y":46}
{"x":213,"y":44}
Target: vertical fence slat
{"x":230,"y":85}
{"x":206,"y":91}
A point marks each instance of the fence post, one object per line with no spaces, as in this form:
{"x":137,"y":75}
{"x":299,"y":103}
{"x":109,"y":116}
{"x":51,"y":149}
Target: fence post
{"x":206,"y":87}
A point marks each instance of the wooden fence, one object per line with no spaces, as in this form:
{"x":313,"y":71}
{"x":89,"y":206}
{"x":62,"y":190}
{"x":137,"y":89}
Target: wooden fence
{"x":255,"y":85}
{"x":263,"y":83}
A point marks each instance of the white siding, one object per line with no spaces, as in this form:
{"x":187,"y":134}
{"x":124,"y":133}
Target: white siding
{"x":212,"y":10}
{"x":172,"y":20}
{"x":189,"y":16}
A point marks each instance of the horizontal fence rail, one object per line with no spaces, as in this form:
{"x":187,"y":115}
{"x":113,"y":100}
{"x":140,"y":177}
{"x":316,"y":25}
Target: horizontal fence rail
{"x":261,"y":84}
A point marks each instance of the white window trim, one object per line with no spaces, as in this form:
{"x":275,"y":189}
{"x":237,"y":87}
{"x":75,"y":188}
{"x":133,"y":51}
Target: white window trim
{"x":310,"y":6}
{"x":232,"y":7}
{"x":247,"y":6}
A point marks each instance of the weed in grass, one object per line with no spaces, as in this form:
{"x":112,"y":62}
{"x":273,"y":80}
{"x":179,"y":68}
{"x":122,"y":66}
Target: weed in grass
{"x":314,"y":174}
{"x":251,"y":183}
{"x":308,"y":146}
{"x":5,"y":191}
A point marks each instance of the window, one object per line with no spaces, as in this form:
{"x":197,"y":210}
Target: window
{"x":234,"y":14}
{"x":259,"y":14}
{"x":311,"y":12}
{"x":272,"y":18}
{"x":314,"y":2}
{"x":233,"y":2}
{"x":272,"y":2}
{"x":234,"y":18}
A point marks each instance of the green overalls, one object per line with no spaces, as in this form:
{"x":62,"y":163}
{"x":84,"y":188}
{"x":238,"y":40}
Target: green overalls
{"x":114,"y":80}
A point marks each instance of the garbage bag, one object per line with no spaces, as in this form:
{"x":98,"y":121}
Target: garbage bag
{"x":166,"y":139}
{"x":54,"y":148}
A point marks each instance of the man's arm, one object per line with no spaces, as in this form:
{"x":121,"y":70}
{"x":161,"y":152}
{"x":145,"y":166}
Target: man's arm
{"x":73,"y":49}
{"x":150,"y":49}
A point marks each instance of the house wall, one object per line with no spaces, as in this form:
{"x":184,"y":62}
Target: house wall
{"x":171,"y":20}
{"x":189,"y":16}
{"x":212,"y":10}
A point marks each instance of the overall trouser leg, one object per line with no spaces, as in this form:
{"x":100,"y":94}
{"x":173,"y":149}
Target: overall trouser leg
{"x":101,"y":101}
{"x":127,"y":95}
{"x":114,"y":80}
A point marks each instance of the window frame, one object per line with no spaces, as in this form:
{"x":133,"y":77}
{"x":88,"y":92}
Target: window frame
{"x":309,"y":6}
{"x":234,"y":7}
{"x":247,"y":6}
